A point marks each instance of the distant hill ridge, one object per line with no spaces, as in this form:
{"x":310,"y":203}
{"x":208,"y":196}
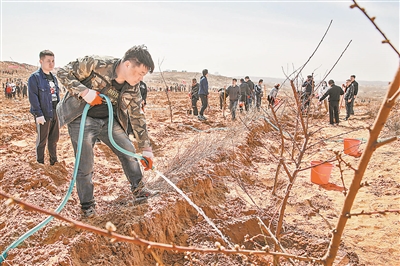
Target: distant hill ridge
{"x":175,"y":77}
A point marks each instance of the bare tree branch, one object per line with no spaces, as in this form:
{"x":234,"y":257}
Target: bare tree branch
{"x":373,"y":212}
{"x":386,"y":40}
{"x":109,"y":232}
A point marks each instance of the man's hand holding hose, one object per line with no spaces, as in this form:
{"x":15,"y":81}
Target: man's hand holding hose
{"x":92,"y":97}
{"x":147,"y":160}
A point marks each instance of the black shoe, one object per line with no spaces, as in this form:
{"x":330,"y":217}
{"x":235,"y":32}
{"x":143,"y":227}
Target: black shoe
{"x":53,"y":163}
{"x":90,"y":212}
{"x":142,"y":193}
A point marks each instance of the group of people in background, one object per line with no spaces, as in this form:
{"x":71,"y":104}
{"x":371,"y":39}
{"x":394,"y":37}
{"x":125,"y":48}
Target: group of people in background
{"x":14,"y":90}
{"x":247,"y":95}
{"x":333,"y":94}
{"x":244,"y":96}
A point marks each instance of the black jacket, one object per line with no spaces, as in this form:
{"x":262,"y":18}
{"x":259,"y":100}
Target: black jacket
{"x":195,"y":91}
{"x":334,"y":94}
{"x":244,"y":91}
{"x":308,"y":84}
{"x":233,"y":92}
{"x":251,"y":86}
{"x":355,"y":84}
{"x":349,"y":94}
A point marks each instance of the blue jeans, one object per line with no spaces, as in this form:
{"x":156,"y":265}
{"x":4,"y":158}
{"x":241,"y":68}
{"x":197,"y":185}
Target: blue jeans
{"x":97,"y":128}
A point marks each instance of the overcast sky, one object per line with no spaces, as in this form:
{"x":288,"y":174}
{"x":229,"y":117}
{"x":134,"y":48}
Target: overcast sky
{"x":233,"y":38}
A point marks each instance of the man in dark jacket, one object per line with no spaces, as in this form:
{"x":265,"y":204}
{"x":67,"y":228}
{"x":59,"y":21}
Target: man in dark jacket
{"x":348,"y":97}
{"x":24,"y":91}
{"x":245,"y":95}
{"x":44,"y":94}
{"x":308,"y":87}
{"x":259,"y":93}
{"x":355,"y":85}
{"x":251,"y":86}
{"x":194,"y":95}
{"x":233,"y":92}
{"x":334,"y":94}
{"x":203,"y":94}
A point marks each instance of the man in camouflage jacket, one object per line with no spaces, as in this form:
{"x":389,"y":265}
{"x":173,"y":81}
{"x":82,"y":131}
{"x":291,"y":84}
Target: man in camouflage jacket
{"x":119,"y":79}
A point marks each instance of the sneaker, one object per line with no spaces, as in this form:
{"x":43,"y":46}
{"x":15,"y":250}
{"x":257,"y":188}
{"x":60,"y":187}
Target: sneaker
{"x":201,"y":118}
{"x":90,"y":212}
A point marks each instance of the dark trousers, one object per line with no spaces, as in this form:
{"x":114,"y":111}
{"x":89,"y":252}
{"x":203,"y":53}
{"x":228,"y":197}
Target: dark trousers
{"x":348,"y":108}
{"x":222,"y":101}
{"x":351,"y":107}
{"x":271,"y":100}
{"x":97,"y":128}
{"x":233,"y":107}
{"x":258,"y":101}
{"x":204,"y":103}
{"x":333,"y":112}
{"x":47,"y":134}
{"x":194,"y":106}
{"x":305,"y":100}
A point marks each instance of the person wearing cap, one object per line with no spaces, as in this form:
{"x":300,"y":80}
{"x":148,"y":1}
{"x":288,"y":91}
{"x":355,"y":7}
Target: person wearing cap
{"x":203,"y":94}
{"x":334,"y":93}
{"x":259,"y":93}
{"x":348,"y":97}
{"x":308,"y":87}
{"x":272,"y":94}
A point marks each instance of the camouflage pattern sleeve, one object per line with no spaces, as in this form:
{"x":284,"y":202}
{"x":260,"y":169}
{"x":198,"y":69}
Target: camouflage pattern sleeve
{"x":132,"y":101}
{"x":80,"y":69}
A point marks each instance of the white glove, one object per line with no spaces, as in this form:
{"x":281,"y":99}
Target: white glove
{"x":148,"y":154}
{"x":92,"y":97}
{"x":40,"y":120}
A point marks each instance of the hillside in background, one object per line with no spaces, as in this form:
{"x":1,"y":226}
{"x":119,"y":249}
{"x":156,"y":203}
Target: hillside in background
{"x":21,"y":71}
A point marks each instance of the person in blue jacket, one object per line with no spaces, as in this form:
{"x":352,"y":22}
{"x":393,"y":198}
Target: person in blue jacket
{"x":203,"y":94}
{"x":44,"y":94}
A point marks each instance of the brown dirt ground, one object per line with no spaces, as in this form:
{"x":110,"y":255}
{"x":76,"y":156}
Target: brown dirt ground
{"x":229,"y":173}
